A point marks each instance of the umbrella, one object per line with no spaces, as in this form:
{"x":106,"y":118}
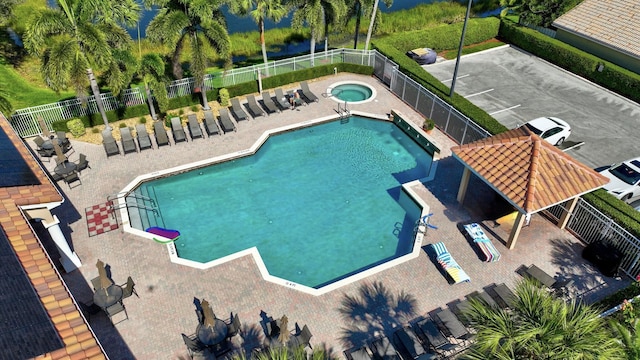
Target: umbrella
{"x":43,"y":127}
{"x":105,"y":282}
{"x":284,"y":331}
{"x":62,"y":158}
{"x":209,"y":316}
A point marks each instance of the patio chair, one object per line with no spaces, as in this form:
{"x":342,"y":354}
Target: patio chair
{"x":461,"y":309}
{"x":71,"y":178}
{"x":88,"y":309}
{"x":129,"y":288}
{"x":62,"y":136}
{"x":452,"y":324}
{"x":115,"y":309}
{"x":109,"y":143}
{"x":407,"y":342}
{"x":254,"y":108}
{"x":448,"y":264}
{"x":161,"y":134}
{"x":56,"y":177}
{"x":128,"y":144}
{"x":38,"y":140}
{"x":210,"y":123}
{"x":282,"y":100}
{"x":82,"y":163}
{"x":177,"y":130}
{"x":236,"y":108}
{"x":225,"y":121}
{"x":196,"y":348}
{"x":433,"y":336}
{"x":194,"y":127}
{"x":144,"y":141}
{"x":504,"y":296}
{"x":307,"y":94}
{"x":268,"y":102}
{"x":302,"y":339}
{"x":234,"y":327}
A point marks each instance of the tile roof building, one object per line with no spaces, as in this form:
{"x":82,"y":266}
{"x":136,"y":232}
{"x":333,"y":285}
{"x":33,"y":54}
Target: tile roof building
{"x":609,"y":29}
{"x":40,"y":317}
{"x":530,"y":173}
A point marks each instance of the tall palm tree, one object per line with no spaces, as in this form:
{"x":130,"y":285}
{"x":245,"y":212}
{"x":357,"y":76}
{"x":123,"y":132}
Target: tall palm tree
{"x":316,"y":14}
{"x":358,"y":8}
{"x":374,"y":16}
{"x":540,"y":326}
{"x":151,"y":69}
{"x":78,"y":37}
{"x":197,"y":22}
{"x":260,"y":10}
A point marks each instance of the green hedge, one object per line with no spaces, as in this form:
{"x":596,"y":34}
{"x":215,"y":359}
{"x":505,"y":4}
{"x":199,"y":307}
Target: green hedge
{"x":612,"y":77}
{"x":446,"y":37}
{"x":622,"y":213}
{"x":112,"y":116}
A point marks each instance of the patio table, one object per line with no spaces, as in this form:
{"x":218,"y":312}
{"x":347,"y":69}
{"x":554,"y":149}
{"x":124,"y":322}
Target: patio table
{"x":65,"y":168}
{"x":48,"y":144}
{"x":212,"y":335}
{"x":107,"y":297}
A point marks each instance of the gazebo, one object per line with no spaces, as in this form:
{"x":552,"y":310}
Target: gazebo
{"x":528,"y":172}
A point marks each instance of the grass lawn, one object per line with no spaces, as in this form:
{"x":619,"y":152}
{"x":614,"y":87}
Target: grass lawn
{"x":24,"y":94}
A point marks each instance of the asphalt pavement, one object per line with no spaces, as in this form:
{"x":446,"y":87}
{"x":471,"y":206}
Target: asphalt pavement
{"x":515,"y":87}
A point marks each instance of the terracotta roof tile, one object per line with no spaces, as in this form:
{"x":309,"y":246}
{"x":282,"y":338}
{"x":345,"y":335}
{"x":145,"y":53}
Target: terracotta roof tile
{"x":65,"y":317}
{"x":613,"y":22}
{"x":531,"y":173}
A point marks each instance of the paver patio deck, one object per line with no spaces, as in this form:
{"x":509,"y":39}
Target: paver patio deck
{"x":165,"y":308}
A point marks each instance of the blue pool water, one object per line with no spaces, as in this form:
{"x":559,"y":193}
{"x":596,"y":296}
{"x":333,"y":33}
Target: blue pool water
{"x":319,"y":203}
{"x":351,"y":92}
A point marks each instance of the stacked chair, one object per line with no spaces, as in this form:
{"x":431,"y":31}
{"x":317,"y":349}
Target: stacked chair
{"x":483,"y":242}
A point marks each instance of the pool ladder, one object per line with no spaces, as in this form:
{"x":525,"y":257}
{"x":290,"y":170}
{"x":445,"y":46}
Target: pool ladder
{"x":113,"y":206}
{"x":344,"y":113}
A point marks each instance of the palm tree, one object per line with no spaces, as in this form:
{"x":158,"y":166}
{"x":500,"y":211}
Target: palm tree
{"x":260,"y":10}
{"x":199,"y":23}
{"x":358,"y":8}
{"x":540,"y":326}
{"x":374,"y":16}
{"x":628,"y":336}
{"x":316,"y":14}
{"x":151,"y":69}
{"x":80,"y":36}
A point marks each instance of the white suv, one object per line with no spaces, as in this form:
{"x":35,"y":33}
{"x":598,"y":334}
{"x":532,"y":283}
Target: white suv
{"x":624,"y":180}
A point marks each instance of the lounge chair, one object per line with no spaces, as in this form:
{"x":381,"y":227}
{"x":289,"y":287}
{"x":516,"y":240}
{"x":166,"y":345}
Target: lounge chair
{"x":210,"y":123}
{"x":448,"y":264}
{"x":194,"y":127}
{"x":144,"y":141}
{"x":433,"y":335}
{"x":161,"y":134}
{"x":254,"y":108}
{"x":504,"y":296}
{"x":540,"y":276}
{"x":177,"y":130}
{"x":490,"y":253}
{"x":128,"y":144}
{"x":236,"y":108}
{"x":483,"y":297}
{"x":109,"y":143}
{"x":408,"y":343}
{"x":282,"y":100}
{"x":461,"y":309}
{"x":383,"y":349}
{"x":268,"y":102}
{"x":452,"y":324}
{"x":358,"y":354}
{"x":225,"y":121}
{"x":307,"y":94}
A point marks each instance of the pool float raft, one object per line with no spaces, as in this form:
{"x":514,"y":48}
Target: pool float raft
{"x":172,"y":235}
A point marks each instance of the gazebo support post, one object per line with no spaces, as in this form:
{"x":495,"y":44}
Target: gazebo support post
{"x":464,"y":184}
{"x":515,"y":231}
{"x":564,"y":218}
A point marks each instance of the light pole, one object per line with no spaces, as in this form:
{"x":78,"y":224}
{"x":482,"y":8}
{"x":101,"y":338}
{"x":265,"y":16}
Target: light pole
{"x":464,"y":29}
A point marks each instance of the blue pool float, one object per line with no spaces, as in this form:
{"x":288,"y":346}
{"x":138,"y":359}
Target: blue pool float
{"x":172,"y":235}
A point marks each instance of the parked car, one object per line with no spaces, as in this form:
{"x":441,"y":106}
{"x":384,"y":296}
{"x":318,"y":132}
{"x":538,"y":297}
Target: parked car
{"x":624,"y":180}
{"x":552,"y":129}
{"x":423,"y":56}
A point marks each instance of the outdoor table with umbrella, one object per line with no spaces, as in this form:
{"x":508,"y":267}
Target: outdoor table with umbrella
{"x":212,"y":331}
{"x":108,"y":293}
{"x":49,"y":143}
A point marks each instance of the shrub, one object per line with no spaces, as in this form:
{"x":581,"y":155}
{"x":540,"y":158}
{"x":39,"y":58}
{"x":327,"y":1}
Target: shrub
{"x":76,"y":127}
{"x":224,"y":97}
{"x":194,"y":108}
{"x":142,"y":120}
{"x":122,"y":125}
{"x":95,"y":130}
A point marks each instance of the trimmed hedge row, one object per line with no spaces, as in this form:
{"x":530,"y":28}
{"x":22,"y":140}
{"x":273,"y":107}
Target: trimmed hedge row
{"x":112,"y":116}
{"x":612,"y":77}
{"x":622,"y":213}
{"x":447,"y":37}
{"x":389,"y":47}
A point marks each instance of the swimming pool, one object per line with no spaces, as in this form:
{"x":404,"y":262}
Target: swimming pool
{"x":352,"y":92}
{"x":307,"y":200}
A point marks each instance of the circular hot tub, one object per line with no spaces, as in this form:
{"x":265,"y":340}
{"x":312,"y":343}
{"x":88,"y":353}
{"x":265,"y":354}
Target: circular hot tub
{"x":352,"y":92}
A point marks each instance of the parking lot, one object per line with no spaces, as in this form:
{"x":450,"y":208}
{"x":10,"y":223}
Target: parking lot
{"x":515,"y":87}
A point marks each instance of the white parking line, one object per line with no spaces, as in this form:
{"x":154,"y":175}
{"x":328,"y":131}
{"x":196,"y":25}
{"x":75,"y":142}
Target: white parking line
{"x":507,"y":109}
{"x":459,"y":77}
{"x":478,"y":93}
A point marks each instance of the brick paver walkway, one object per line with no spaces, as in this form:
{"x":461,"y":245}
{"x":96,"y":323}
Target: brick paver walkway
{"x":165,"y":307}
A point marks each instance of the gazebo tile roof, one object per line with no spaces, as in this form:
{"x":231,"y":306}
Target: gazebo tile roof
{"x":527,"y":170}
